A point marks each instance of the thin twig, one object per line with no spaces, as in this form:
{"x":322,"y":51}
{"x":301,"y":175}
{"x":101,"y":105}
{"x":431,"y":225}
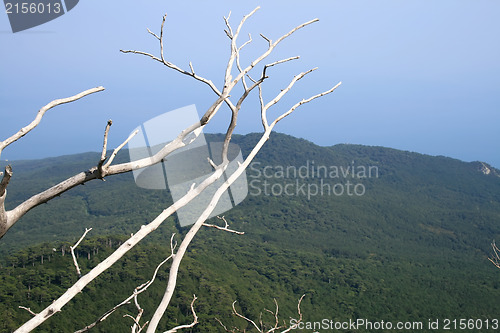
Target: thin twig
{"x":195,"y":319}
{"x":298,"y":321}
{"x":224,"y":228}
{"x":73,"y":252}
{"x":27,"y":309}
{"x":247,"y":319}
{"x":137,"y":291}
{"x":496,"y":259}
{"x":104,"y":146}
{"x":117,"y":149}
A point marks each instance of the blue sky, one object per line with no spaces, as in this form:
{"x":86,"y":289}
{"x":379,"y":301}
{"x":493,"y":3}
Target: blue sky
{"x":420,"y":75}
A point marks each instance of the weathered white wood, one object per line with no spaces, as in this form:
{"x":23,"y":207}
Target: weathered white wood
{"x":107,"y":169}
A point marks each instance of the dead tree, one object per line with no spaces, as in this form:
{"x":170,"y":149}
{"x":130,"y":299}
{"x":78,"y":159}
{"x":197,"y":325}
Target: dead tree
{"x":235,"y":74}
{"x":263,"y":327}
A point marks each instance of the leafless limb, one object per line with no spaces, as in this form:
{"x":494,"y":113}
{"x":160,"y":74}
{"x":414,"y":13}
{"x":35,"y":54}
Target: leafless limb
{"x":169,"y":64}
{"x":262,"y":327}
{"x":496,"y":257}
{"x":222,"y":324}
{"x":298,"y":321}
{"x":224,"y":228}
{"x":27,"y":309}
{"x":7,"y":175}
{"x":265,"y":136}
{"x":136,"y":328}
{"x":25,"y":130}
{"x":8,"y":218}
{"x":137,"y":291}
{"x":117,"y":149}
{"x":199,"y":223}
{"x":259,"y":329}
{"x":73,"y":251}
{"x":104,"y":147}
{"x":195,"y":319}
{"x":196,"y":189}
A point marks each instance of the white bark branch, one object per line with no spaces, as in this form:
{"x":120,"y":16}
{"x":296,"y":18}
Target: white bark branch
{"x":27,"y":309}
{"x":115,"y":152}
{"x":78,"y":271}
{"x":262,"y":328}
{"x":108,"y":169}
{"x":169,"y":64}
{"x":304,"y":101}
{"x":300,"y":316}
{"x":120,"y":252}
{"x":247,"y":319}
{"x":496,"y":257}
{"x":195,"y":319}
{"x":104,"y":146}
{"x":137,"y":291}
{"x":9,"y":218}
{"x":224,"y":228}
{"x":25,"y":130}
{"x":172,"y":280}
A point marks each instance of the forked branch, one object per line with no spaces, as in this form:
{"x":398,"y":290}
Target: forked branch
{"x":137,"y":291}
{"x":224,"y":228}
{"x":78,"y":271}
{"x":496,"y":255}
{"x":108,"y":169}
{"x":263,"y":327}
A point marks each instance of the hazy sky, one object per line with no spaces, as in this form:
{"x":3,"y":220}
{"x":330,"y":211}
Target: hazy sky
{"x":417,"y":75}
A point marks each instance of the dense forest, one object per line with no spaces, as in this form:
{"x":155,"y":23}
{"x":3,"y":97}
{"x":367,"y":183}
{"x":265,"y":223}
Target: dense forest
{"x":407,"y":239}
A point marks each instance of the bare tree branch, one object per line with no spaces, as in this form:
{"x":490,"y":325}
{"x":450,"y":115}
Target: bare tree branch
{"x":304,"y":101}
{"x":298,"y":321}
{"x":247,"y":319}
{"x":199,"y":223}
{"x":137,"y":326}
{"x":78,"y":271}
{"x":496,"y":257}
{"x":263,"y":328}
{"x":265,"y":136}
{"x":195,"y":319}
{"x":25,"y":130}
{"x":108,"y":169}
{"x":137,"y":291}
{"x":27,"y":309}
{"x":169,"y":64}
{"x":104,"y":146}
{"x":224,"y":228}
{"x":9,"y":218}
{"x":7,"y":175}
{"x":120,"y":252}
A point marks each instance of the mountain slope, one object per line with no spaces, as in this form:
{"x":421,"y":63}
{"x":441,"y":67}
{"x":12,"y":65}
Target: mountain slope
{"x":365,"y":232}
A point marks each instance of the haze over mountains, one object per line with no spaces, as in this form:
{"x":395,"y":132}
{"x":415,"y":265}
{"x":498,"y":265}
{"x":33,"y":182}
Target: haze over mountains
{"x":365,"y":232}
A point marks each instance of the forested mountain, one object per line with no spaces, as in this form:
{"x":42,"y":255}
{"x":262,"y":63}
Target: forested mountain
{"x":364,"y":232}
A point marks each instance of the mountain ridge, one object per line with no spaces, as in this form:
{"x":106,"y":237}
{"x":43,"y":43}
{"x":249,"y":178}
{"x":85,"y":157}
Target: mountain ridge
{"x":413,"y":246}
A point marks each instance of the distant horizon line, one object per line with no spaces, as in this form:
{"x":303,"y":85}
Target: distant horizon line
{"x":279,"y":133}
